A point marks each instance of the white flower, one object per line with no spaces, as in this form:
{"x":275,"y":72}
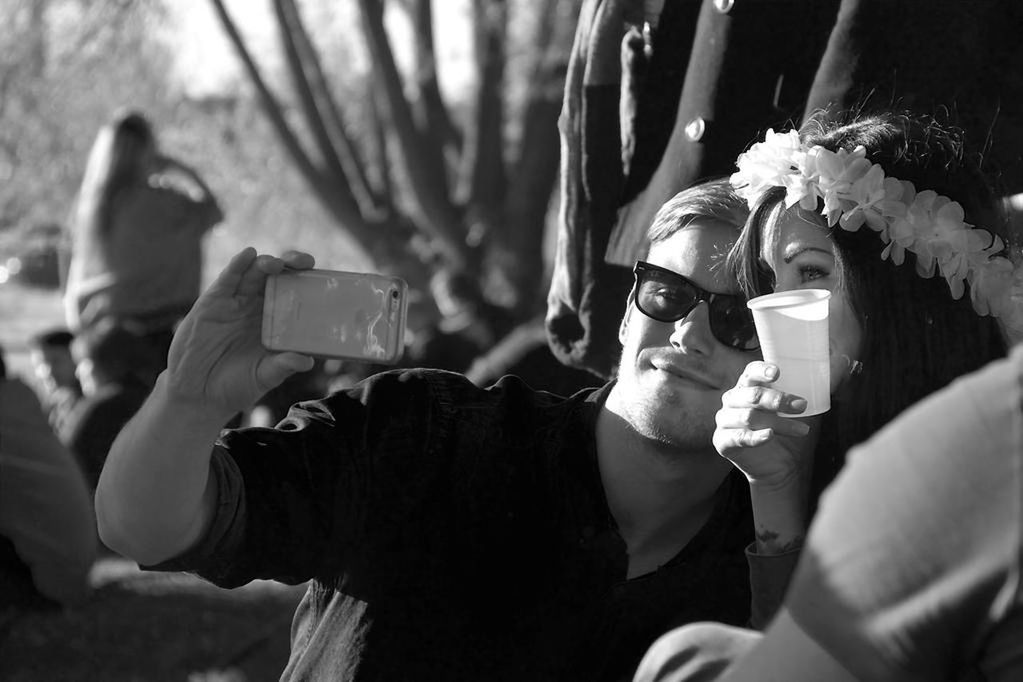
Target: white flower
{"x":855,"y":192}
{"x":865,"y":194}
{"x":778,"y":161}
{"x":991,"y":285}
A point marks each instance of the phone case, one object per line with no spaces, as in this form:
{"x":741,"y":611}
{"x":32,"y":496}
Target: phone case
{"x":334,"y":314}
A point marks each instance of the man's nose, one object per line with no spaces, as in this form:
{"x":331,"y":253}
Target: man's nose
{"x":692,"y":333}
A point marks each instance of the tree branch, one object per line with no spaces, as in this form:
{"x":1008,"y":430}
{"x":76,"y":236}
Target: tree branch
{"x":332,"y":173}
{"x":346,"y":212}
{"x":378,"y":136}
{"x":327,"y":111}
{"x":534,"y":172}
{"x":429,"y":185}
{"x":483,"y":170}
{"x":435,"y":114}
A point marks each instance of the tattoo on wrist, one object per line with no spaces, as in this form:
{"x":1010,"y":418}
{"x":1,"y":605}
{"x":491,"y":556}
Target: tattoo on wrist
{"x":769,"y":539}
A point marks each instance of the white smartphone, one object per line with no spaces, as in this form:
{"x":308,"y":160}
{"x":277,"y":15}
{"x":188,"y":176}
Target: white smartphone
{"x":335,"y":314}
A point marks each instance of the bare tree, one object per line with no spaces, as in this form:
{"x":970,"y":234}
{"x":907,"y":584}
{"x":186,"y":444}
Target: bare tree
{"x":417,"y":174}
{"x":62,"y":64}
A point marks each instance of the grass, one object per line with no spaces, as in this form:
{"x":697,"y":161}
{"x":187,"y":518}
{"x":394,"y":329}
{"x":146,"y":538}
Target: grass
{"x":140,"y":626}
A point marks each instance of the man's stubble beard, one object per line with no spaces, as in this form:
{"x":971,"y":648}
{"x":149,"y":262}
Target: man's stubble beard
{"x":664,"y":416}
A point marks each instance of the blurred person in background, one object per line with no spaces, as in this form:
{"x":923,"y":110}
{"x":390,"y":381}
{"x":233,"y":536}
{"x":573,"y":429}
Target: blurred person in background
{"x":115,"y":369}
{"x":54,"y":370}
{"x":468,"y":326}
{"x":47,"y":530}
{"x":135,"y":234}
{"x":525,"y":353}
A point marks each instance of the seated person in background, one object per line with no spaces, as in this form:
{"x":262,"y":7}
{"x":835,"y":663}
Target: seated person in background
{"x":468,"y":327}
{"x":54,"y":368}
{"x":113,"y":366}
{"x":526,"y":353}
{"x":911,"y":571}
{"x":47,"y":529}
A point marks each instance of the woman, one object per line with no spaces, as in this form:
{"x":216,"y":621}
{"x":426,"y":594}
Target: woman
{"x":871,"y":209}
{"x":135,"y":233}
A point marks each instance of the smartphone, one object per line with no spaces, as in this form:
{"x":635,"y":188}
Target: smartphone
{"x":335,"y":314}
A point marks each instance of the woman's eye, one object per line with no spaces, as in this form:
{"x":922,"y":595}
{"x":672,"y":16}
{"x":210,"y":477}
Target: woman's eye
{"x":808,"y":273}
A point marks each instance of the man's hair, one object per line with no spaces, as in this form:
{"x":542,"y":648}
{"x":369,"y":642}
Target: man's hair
{"x":712,"y":199}
{"x":916,"y":337}
{"x":51,"y":338}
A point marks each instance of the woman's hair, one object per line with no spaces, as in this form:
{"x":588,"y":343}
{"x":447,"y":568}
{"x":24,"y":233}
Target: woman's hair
{"x":916,"y":337}
{"x":117,"y":160}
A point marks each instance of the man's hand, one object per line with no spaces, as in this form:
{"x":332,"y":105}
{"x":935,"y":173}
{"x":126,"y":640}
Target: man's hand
{"x":216,"y":359}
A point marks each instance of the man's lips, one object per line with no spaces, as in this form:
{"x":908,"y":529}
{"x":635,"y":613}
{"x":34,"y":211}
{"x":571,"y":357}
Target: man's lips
{"x":682,"y":371}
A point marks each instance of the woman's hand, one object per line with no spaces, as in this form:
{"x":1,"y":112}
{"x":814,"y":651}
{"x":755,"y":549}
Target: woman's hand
{"x":770,"y":449}
{"x":774,"y":452}
{"x":217,"y":360}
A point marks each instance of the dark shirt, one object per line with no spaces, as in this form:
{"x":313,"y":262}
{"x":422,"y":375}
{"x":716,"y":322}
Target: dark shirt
{"x":453,"y":532}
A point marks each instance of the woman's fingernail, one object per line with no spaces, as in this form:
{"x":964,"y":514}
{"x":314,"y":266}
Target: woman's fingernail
{"x":800,"y":429}
{"x":771,"y":372}
{"x":797,"y":404}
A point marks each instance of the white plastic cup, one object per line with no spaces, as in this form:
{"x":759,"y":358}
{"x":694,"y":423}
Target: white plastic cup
{"x":793,"y":330}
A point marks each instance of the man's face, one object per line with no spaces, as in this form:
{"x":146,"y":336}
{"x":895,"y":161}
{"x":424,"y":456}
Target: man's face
{"x":672,"y":374}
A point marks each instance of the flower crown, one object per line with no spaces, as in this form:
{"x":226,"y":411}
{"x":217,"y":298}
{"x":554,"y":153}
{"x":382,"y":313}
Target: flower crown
{"x":855,"y":192}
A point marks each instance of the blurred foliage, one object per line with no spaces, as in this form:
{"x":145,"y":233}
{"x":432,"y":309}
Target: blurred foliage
{"x":423,"y":181}
{"x":67,"y":65}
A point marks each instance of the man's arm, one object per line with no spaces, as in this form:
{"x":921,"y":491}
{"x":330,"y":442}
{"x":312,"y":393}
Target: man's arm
{"x":155,"y":498}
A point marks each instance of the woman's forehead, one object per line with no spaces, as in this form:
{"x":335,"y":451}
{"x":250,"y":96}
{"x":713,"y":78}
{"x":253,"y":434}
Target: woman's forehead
{"x":784,"y":226}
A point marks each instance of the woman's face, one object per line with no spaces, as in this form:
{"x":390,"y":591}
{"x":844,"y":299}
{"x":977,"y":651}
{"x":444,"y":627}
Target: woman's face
{"x":799,"y":251}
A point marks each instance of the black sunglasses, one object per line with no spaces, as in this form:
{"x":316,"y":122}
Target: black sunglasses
{"x":667,"y":296}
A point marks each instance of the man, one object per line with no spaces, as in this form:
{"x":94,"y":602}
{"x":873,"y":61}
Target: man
{"x":912,"y":566}
{"x":449,"y":531}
